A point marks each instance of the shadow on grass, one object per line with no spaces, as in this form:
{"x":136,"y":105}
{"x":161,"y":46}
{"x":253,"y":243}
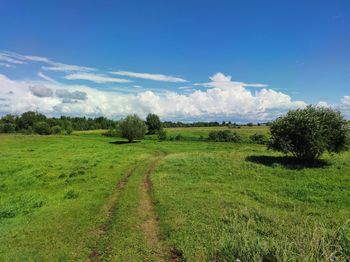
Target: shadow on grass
{"x":118,"y":142}
{"x":287,"y":162}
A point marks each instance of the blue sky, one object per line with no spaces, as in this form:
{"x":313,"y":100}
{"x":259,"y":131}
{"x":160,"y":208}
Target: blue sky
{"x":300,"y":49}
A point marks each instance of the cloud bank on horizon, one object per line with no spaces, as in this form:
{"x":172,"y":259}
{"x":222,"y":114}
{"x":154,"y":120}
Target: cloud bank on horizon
{"x":61,"y":89}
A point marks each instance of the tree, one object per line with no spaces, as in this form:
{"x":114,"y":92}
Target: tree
{"x":258,"y":138}
{"x":29,"y":118}
{"x":7,"y":128}
{"x":162,"y":135}
{"x":42,"y":128}
{"x":132,"y":127}
{"x":56,"y":130}
{"x":153,"y":123}
{"x":308,"y":133}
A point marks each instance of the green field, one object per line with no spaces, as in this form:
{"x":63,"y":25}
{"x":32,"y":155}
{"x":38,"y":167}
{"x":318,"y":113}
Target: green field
{"x":86,"y":197}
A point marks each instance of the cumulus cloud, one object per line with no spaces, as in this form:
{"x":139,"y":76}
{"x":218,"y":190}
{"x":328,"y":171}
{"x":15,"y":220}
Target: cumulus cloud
{"x":346,"y":101}
{"x":40,"y":91}
{"x":344,"y":106}
{"x":219,"y":79}
{"x":95,"y":78}
{"x":70,"y":96}
{"x":20,"y":98}
{"x":155,"y":77}
{"x":222,"y":100}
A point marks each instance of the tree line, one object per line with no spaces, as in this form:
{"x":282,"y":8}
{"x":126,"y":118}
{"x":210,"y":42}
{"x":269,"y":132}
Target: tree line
{"x":304,"y":133}
{"x":33,"y":122}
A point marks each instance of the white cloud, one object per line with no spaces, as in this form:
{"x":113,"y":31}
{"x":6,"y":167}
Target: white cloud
{"x":185,"y":87}
{"x":155,"y":77}
{"x":18,"y":98}
{"x":9,"y":59}
{"x":71,"y":95}
{"x":219,"y":79}
{"x":95,"y":78}
{"x":323,"y":104}
{"x":60,"y":67}
{"x":346,"y":101}
{"x":344,"y":106}
{"x":40,"y":91}
{"x":220,"y":98}
{"x":220,"y":101}
{"x":6,"y":65}
{"x":45,"y":77}
{"x":14,"y":58}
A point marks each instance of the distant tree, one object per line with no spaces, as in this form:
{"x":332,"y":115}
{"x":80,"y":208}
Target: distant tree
{"x":56,"y":130}
{"x":153,"y":123}
{"x":42,"y":128}
{"x":258,"y":138}
{"x":8,"y":128}
{"x":28,"y":119}
{"x":132,"y":127}
{"x":308,"y":133}
{"x":112,"y":132}
{"x":68,"y":128}
{"x":162,"y":135}
{"x":179,"y":137}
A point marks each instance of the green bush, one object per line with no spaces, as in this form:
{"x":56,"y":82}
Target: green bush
{"x":42,"y":128}
{"x":308,"y":133}
{"x":56,"y":130}
{"x":112,"y":132}
{"x":132,"y":127}
{"x":68,"y":130}
{"x":8,"y":128}
{"x":258,"y":139}
{"x":224,"y":136}
{"x":162,"y":135}
{"x":179,"y":137}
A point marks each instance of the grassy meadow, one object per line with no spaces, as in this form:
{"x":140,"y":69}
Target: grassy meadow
{"x":87,"y":197}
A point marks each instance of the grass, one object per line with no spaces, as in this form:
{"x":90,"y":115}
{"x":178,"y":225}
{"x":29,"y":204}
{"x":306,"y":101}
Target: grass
{"x":218,"y":206}
{"x":196,"y":133}
{"x":84,"y":197}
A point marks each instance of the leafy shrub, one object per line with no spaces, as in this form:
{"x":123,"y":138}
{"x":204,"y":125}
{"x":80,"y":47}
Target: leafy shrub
{"x":162,"y":135}
{"x":68,"y":130}
{"x":112,"y":132}
{"x":7,"y":128}
{"x":224,"y":136}
{"x":308,"y":133}
{"x":56,"y":130}
{"x":258,"y":139}
{"x":179,"y":137}
{"x":42,"y":128}
{"x":132,"y":127}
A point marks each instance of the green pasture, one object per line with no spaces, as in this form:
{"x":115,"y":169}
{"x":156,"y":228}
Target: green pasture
{"x":86,"y":197}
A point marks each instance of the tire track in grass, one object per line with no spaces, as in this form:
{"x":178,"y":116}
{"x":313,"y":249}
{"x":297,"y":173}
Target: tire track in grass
{"x":141,"y":233}
{"x":150,"y":226}
{"x":109,"y":209}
